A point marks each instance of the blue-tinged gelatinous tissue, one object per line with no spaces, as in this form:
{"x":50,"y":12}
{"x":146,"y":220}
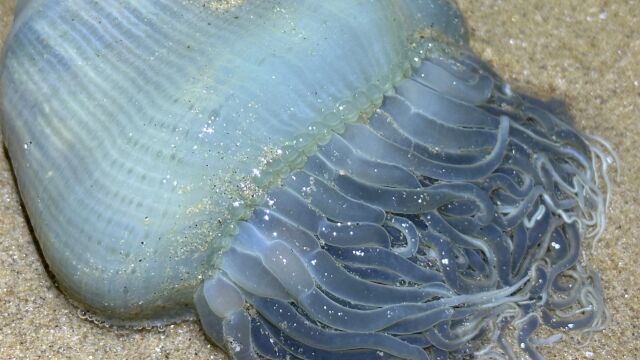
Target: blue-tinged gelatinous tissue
{"x":146,"y":129}
{"x":336,"y":179}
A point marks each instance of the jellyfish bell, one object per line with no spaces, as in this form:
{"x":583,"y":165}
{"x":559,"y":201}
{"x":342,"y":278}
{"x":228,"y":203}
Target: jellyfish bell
{"x":311,"y":179}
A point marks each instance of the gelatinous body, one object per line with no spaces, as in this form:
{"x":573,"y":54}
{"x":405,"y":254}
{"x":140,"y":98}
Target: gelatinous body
{"x":337,"y":179}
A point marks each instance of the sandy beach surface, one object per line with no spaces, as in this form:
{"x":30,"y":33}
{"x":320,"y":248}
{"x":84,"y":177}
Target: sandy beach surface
{"x":586,"y":52}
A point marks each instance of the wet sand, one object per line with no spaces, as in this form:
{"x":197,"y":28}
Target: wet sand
{"x":586,"y":52}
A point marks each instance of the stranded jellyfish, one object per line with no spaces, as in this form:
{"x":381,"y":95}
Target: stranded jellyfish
{"x":310,"y":179}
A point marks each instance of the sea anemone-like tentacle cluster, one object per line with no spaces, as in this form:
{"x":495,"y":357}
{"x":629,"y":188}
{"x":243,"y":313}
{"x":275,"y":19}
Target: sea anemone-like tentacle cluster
{"x":456,"y":211}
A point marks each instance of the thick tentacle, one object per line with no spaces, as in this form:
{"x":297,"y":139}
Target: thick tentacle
{"x":459,"y":209}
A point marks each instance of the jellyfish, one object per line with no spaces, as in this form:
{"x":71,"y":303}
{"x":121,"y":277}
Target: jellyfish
{"x":310,"y":180}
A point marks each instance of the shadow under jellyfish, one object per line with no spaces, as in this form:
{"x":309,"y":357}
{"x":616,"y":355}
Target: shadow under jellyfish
{"x":312,"y":180}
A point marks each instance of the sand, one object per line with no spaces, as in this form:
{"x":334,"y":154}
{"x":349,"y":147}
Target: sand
{"x":585,"y":52}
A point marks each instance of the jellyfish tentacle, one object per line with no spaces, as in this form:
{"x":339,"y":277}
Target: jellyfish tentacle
{"x":470,"y":87}
{"x":344,"y":158}
{"x":408,"y":237}
{"x":409,"y":126}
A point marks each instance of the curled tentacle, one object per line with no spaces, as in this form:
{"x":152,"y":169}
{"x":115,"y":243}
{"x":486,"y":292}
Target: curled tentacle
{"x":424,"y":233}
